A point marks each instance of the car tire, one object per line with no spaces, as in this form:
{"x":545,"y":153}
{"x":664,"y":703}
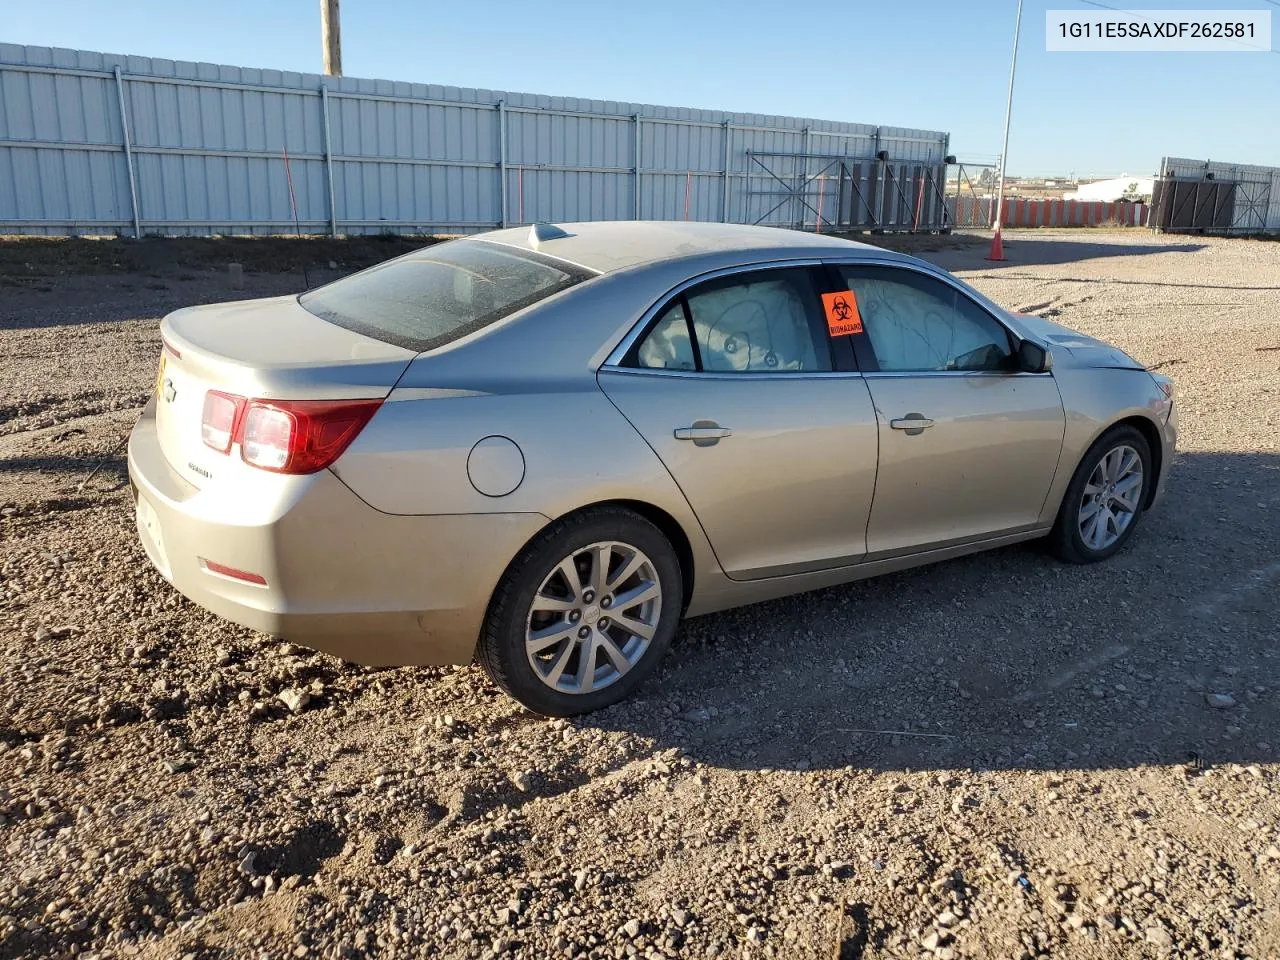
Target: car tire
{"x":1108,"y":465}
{"x":564,"y":655}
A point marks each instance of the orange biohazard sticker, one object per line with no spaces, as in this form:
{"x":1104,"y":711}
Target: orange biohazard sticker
{"x":842,"y":313}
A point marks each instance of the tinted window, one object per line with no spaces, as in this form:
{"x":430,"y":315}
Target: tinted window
{"x":440,"y":293}
{"x":760,"y":322}
{"x":916,"y":322}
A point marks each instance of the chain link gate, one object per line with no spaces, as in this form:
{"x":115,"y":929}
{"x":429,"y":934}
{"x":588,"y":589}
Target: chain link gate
{"x":973,"y":204}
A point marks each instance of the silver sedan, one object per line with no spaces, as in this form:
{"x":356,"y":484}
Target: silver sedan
{"x":542,"y":447}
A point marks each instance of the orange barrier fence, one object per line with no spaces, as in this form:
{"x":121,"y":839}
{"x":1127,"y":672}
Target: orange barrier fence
{"x":976,"y":212}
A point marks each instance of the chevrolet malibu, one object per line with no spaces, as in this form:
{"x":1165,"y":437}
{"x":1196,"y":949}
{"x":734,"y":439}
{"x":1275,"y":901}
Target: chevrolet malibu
{"x":542,"y":447}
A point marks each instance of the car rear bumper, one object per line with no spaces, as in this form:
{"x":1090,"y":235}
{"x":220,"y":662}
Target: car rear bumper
{"x":341,"y":577}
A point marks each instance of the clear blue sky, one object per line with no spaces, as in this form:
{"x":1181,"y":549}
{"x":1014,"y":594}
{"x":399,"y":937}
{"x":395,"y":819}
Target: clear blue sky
{"x":935,"y":64}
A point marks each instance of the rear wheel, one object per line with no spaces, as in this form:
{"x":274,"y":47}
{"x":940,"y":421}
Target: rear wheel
{"x":1104,"y":502}
{"x":583,"y":615}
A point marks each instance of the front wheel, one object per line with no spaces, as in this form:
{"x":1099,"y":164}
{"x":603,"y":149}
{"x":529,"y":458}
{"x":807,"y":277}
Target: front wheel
{"x":1105,"y":499}
{"x":584,"y":614}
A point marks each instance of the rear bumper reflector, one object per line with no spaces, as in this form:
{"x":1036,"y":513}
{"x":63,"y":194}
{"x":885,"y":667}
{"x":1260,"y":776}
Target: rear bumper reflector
{"x":232,"y":573}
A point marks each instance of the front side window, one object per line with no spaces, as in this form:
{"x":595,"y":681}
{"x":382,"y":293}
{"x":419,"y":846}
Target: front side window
{"x":766,"y":321}
{"x":438,"y":294}
{"x":918,"y":323}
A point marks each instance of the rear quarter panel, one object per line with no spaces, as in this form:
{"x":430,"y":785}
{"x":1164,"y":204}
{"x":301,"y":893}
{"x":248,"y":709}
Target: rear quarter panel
{"x":1095,"y":399}
{"x":578,"y":450}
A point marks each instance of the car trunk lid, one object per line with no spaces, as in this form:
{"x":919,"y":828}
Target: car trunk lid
{"x":268,"y":349}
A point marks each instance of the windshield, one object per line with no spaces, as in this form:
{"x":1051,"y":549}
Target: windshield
{"x":435,"y":295}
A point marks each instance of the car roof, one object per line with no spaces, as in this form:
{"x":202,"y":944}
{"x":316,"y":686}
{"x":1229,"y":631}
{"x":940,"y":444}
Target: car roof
{"x":608,"y":246}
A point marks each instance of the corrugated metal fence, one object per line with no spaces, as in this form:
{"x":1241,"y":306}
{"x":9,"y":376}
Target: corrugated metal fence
{"x":98,"y":143}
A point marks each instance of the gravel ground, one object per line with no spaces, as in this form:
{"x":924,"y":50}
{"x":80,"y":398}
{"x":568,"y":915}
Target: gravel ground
{"x":998,"y":756}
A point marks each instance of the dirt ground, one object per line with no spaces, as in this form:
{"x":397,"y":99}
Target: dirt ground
{"x":999,"y":756}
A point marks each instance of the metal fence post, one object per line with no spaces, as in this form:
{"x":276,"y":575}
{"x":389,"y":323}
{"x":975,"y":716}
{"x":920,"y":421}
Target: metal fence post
{"x":636,"y":180}
{"x":942,"y":216}
{"x":797,"y":199}
{"x":502,"y":156}
{"x":128,"y":155}
{"x":328,"y":160}
{"x":724,"y":186}
{"x":877,"y":188}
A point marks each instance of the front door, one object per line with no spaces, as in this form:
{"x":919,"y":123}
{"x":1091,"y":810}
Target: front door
{"x":968,"y":445}
{"x":733,"y":388}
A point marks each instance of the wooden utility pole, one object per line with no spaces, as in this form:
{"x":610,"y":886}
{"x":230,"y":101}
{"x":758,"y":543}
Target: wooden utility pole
{"x":331,"y":37}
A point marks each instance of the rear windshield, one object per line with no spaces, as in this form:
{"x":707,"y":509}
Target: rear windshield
{"x":440,"y":293}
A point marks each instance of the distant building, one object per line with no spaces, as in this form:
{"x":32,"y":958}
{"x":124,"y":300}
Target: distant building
{"x":1114,"y":188}
{"x":1037,"y":188}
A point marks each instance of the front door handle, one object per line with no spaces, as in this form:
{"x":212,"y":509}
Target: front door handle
{"x":913,"y":423}
{"x":703,"y":433}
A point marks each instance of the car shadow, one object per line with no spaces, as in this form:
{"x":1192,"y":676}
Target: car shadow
{"x":1024,"y":249}
{"x":1165,"y":654}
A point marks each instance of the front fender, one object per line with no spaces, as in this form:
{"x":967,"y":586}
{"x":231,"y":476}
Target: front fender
{"x":1096,"y":398}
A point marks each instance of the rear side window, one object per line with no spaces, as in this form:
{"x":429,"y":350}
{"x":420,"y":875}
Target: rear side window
{"x":435,"y":295}
{"x":667,"y":346}
{"x":764,"y":321}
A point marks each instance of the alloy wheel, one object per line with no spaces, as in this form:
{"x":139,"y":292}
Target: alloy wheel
{"x":593,"y":617}
{"x":1111,"y":498}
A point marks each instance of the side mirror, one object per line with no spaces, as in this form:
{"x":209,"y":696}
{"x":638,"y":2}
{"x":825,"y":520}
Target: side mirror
{"x":1033,"y":358}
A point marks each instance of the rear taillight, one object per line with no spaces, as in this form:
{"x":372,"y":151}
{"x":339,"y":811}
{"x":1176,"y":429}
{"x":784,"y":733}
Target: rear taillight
{"x":267,"y":439}
{"x":285,"y":436}
{"x":301,"y":436}
{"x":219,"y":420}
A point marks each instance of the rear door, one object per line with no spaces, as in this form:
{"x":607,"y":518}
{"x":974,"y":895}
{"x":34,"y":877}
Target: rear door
{"x":759,"y":417}
{"x":968,"y":444}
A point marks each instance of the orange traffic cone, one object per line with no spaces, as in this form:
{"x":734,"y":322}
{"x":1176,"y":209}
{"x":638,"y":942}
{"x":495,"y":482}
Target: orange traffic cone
{"x":997,"y":247}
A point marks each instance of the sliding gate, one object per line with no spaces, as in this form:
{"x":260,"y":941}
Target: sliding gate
{"x":836,"y":193}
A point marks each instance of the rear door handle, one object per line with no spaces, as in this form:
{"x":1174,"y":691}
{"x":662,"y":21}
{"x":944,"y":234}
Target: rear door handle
{"x":913,"y":423}
{"x":703,"y":433}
